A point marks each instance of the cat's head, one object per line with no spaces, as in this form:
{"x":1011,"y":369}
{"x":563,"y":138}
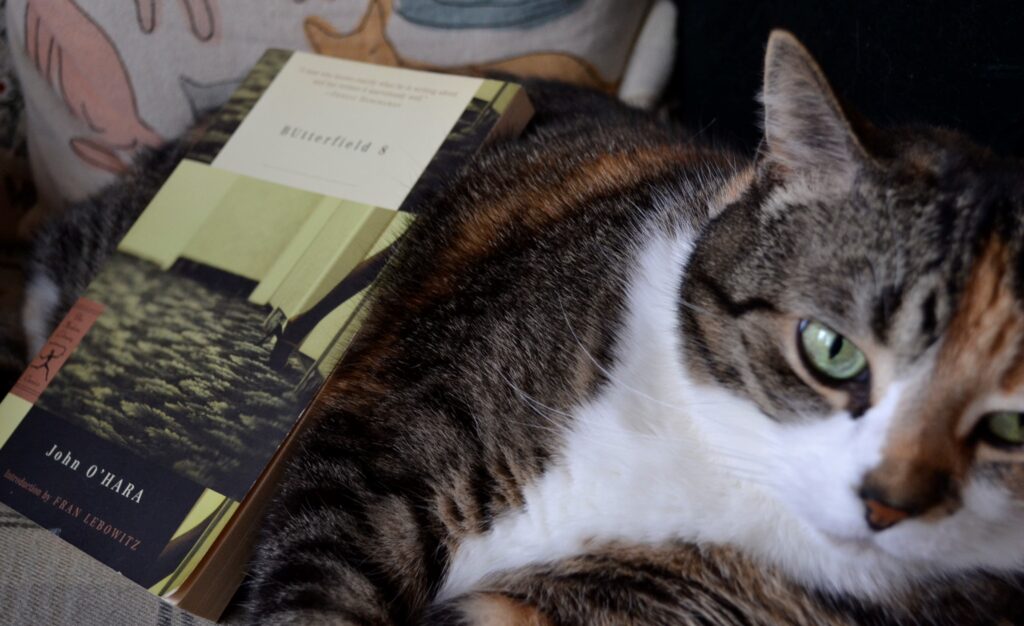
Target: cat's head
{"x":860,"y":297}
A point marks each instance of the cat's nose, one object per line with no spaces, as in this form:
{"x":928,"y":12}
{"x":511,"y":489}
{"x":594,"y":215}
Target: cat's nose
{"x":881,"y":509}
{"x":895,"y":491}
{"x":881,"y":515}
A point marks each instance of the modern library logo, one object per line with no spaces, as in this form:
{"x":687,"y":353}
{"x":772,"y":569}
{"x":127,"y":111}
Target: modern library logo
{"x":57,"y":350}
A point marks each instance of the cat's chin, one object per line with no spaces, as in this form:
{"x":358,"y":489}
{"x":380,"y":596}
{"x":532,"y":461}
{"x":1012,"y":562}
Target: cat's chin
{"x":856,"y":544}
{"x":860,"y":551}
{"x":856,"y":567}
{"x":852,"y":563}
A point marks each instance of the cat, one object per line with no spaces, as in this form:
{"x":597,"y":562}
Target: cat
{"x":617,"y":376}
{"x":620,"y":378}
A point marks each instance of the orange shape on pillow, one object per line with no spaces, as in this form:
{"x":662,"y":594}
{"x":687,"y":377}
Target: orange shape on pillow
{"x":369,"y":42}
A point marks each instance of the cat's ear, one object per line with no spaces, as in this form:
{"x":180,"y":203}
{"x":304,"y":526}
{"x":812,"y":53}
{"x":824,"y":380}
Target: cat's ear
{"x":805,"y":128}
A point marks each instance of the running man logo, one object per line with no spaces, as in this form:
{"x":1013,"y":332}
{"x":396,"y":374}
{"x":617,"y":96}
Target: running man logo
{"x":58,"y":349}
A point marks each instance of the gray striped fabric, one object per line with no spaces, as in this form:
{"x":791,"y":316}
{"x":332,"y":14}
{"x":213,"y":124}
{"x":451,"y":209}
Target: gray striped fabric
{"x":43,"y":580}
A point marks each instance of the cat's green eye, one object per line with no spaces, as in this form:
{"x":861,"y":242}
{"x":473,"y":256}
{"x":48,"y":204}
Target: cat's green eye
{"x":829,"y":353}
{"x":1004,"y":428}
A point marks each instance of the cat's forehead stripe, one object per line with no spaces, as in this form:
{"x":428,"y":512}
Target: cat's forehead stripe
{"x":886,"y":306}
{"x":929,"y":316}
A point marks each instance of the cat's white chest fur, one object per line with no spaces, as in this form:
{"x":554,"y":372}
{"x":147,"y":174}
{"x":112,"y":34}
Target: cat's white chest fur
{"x":634,"y":468}
{"x":656,"y":457}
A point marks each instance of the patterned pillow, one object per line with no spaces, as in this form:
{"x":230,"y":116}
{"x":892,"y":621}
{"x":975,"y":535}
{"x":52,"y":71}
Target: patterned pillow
{"x":102,"y":80}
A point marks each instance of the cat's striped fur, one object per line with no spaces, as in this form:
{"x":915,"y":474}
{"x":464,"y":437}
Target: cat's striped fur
{"x":576,"y":401}
{"x":434,"y":470}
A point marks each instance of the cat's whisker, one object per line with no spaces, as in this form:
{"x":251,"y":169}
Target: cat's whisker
{"x":536,"y":406}
{"x":752,"y":475}
{"x":607,"y":373}
{"x":748,"y":473}
{"x":530,"y":398}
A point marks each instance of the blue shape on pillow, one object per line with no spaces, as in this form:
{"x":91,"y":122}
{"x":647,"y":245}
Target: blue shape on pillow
{"x":484,"y":13}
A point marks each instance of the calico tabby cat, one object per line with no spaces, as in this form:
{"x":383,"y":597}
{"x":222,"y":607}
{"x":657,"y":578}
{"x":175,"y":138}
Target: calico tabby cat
{"x":618,"y":377}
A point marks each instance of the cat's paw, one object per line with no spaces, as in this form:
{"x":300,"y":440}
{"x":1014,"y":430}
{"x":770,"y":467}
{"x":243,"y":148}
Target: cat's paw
{"x":485,"y":609}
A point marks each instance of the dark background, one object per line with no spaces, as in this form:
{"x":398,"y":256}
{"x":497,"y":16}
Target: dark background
{"x":953,"y":64}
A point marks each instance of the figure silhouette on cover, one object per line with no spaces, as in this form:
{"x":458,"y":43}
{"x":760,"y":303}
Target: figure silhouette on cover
{"x":47,"y":358}
{"x":290,"y":333}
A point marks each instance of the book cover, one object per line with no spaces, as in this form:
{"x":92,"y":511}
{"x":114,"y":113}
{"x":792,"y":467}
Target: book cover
{"x":140,"y":429}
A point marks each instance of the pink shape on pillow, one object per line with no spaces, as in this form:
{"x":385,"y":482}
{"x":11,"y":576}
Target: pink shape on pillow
{"x":81,"y":63}
{"x":202,"y":17}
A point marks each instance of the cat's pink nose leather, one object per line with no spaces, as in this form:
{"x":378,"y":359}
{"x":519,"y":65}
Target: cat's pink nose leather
{"x":881,"y":516}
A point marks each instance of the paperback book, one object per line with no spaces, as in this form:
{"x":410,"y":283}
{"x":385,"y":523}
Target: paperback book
{"x":149,"y":430}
